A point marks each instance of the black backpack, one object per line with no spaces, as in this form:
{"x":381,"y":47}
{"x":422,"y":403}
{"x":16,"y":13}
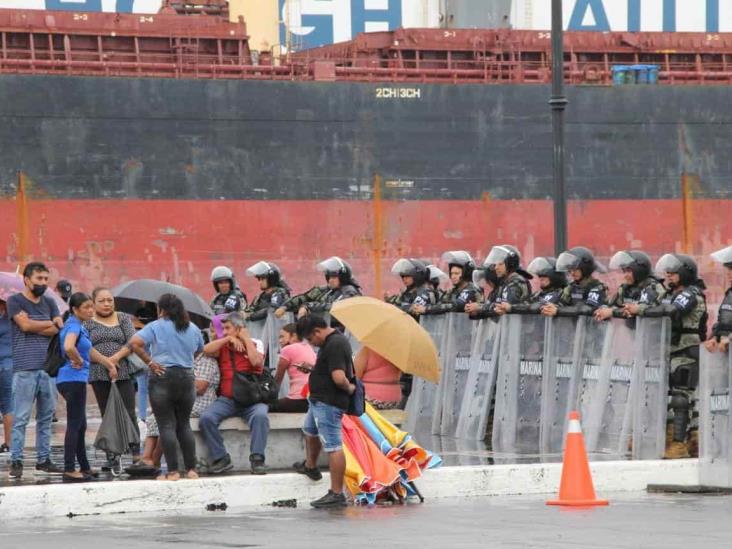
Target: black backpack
{"x":54,"y":358}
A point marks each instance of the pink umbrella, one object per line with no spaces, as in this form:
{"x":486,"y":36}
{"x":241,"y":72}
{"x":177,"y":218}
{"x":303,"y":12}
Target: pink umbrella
{"x":12,"y":283}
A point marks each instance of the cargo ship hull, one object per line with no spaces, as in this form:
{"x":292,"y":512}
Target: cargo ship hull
{"x":164,"y":177}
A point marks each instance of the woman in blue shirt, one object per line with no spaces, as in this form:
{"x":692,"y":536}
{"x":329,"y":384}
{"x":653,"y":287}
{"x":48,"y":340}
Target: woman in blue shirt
{"x":172,"y":342}
{"x":77,"y":350}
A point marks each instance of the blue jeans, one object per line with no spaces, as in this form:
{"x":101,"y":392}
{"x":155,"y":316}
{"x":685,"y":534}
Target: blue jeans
{"x":142,"y":394}
{"x":223,"y":408}
{"x":324,"y":421}
{"x":30,"y":386}
{"x":6,"y":387}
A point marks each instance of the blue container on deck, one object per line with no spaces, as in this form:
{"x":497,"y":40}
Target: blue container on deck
{"x":647,"y":74}
{"x":619,"y":74}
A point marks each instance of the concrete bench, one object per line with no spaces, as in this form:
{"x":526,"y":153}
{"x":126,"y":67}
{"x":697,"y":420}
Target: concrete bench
{"x":285,"y":443}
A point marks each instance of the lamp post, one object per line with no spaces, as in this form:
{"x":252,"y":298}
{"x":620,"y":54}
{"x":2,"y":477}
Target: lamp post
{"x":558,"y":103}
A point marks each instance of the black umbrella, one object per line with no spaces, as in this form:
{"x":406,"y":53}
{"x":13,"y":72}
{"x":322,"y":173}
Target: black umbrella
{"x":131,"y":296}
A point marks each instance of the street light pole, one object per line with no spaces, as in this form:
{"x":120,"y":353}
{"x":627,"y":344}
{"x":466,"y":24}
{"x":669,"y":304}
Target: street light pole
{"x":558,"y":103}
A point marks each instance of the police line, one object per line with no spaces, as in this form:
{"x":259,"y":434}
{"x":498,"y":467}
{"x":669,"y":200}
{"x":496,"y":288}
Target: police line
{"x":539,"y":368}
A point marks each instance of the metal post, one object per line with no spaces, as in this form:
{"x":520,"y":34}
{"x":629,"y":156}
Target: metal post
{"x":558,"y":103}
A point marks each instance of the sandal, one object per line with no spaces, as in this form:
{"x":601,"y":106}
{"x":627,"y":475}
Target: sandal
{"x":71,"y":477}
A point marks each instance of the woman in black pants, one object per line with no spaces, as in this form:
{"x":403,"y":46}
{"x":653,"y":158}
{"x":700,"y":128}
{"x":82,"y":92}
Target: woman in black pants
{"x":109,"y":332}
{"x":71,"y":381}
{"x":172,"y":342}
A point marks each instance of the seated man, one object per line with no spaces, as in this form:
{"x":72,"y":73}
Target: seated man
{"x":206,"y":371}
{"x":236,"y":351}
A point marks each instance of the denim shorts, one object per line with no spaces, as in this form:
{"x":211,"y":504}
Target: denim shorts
{"x":324,"y":421}
{"x":6,"y":387}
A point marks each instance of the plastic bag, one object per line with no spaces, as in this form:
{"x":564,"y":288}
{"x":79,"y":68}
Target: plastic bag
{"x":117,"y":431}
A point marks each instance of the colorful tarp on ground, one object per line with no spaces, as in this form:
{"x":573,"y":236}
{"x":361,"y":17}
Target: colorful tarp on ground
{"x":381,"y":460}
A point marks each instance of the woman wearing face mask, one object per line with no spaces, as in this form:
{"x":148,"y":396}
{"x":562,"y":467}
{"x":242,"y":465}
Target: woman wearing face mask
{"x":109,"y":332}
{"x":77,"y":350}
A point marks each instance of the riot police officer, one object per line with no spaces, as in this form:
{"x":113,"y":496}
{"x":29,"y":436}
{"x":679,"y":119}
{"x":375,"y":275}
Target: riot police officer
{"x":463,"y":291}
{"x":437,"y":277}
{"x":418,"y":291}
{"x":513,"y":281}
{"x":229,"y":297}
{"x":584,"y":294}
{"x":639,"y":291}
{"x":274,"y":290}
{"x":551,"y":286}
{"x":340,"y":285}
{"x":685,"y":303}
{"x":722,"y":330}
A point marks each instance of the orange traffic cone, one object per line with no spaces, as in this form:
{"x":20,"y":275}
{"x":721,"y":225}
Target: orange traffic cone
{"x":575,"y":488}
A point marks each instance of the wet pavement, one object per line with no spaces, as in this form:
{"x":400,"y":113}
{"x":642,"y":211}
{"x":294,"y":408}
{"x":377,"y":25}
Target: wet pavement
{"x":631,"y":521}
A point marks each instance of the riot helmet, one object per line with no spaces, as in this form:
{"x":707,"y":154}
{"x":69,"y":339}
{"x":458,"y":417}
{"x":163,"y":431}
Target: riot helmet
{"x":635,"y":261}
{"x":64,"y":289}
{"x":335,"y":266}
{"x":580,"y":258}
{"x":506,"y":254}
{"x":220,"y":274}
{"x":681,"y":264}
{"x":724,"y":256}
{"x":547,"y":267}
{"x":462,"y":259}
{"x":437,"y":276}
{"x":268,"y":270}
{"x":416,"y":268}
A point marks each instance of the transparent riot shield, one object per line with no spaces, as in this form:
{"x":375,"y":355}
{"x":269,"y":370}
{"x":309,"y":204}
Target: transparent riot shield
{"x":650,"y":387}
{"x":715,"y":425}
{"x":609,"y":413}
{"x":559,"y":395}
{"x":481,"y":382}
{"x":272,"y":328}
{"x":456,"y":365}
{"x":420,"y":407}
{"x":587,"y":372}
{"x":257,"y":330}
{"x":517,"y":415}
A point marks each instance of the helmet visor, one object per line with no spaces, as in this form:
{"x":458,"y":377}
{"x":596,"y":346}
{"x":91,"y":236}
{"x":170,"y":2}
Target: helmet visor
{"x":437,"y":274}
{"x":540,"y":266}
{"x":332,"y":265}
{"x":621,"y":260}
{"x":259,"y":269}
{"x":498,"y":255}
{"x":403,"y":267}
{"x":567,"y":262}
{"x":478,"y":276}
{"x":669,"y":263}
{"x":723,"y":256}
{"x":458,"y":257}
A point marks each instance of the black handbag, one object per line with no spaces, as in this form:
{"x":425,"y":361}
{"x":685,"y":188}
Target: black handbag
{"x":249,"y":389}
{"x":356,"y":401}
{"x":54,"y":359}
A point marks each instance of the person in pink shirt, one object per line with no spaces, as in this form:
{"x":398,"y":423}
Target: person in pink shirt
{"x":380,"y":379}
{"x":296,"y":359}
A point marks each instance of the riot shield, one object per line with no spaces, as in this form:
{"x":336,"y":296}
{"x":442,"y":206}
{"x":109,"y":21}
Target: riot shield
{"x":609,"y":411}
{"x":456,"y":365}
{"x":257,"y":330}
{"x":559,"y":394}
{"x":650,"y":387}
{"x":715,"y":426}
{"x":589,"y":360}
{"x":272,"y":328}
{"x":420,"y":407}
{"x":517,"y":415}
{"x":481,"y":381}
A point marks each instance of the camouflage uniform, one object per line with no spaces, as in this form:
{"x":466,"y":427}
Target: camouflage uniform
{"x":512,"y":289}
{"x":548,"y":296}
{"x":424,"y":295}
{"x":723,"y":327}
{"x":583,"y":297}
{"x":454,"y":301}
{"x":235,"y":300}
{"x":260,"y":307}
{"x":293,"y":304}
